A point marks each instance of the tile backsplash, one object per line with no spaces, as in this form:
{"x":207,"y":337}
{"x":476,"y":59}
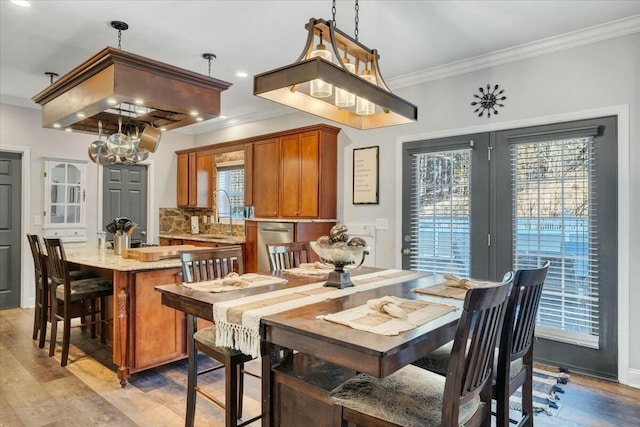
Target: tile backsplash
{"x":178,"y":221}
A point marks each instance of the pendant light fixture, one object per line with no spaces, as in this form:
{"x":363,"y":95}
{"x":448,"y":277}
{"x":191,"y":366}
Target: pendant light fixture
{"x":360,"y":99}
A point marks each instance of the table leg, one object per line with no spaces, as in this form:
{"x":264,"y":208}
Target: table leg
{"x":270,"y":358}
{"x":123,"y":328}
{"x":192,"y":373}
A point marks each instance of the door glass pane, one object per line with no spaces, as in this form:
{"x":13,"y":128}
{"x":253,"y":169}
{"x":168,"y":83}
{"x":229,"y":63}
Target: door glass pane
{"x":74,"y":194}
{"x":73,"y":214}
{"x":57,"y":214}
{"x":440,"y":212}
{"x":553,"y":220}
{"x":73,"y":175}
{"x":58,"y":174}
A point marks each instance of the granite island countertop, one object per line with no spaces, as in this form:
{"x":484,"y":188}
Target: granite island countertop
{"x":88,"y":254}
{"x":213,"y":238}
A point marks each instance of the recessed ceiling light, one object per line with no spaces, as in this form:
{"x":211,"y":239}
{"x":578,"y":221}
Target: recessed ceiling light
{"x":138,"y":101}
{"x":242,"y":74}
{"x":199,"y":119}
{"x":80,"y":115}
{"x":56,"y":125}
{"x":22,"y":3}
{"x":68,"y":129}
{"x":222,"y":117}
{"x":112,"y":101}
{"x":193,"y":113}
{"x":163,"y":129}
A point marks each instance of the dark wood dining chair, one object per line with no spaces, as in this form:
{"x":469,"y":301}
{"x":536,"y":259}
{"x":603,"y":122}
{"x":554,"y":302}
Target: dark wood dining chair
{"x":413,"y":396}
{"x":41,"y":281}
{"x":515,"y":355}
{"x":202,"y":265}
{"x":84,"y":292}
{"x":513,"y":361}
{"x":289,"y":255}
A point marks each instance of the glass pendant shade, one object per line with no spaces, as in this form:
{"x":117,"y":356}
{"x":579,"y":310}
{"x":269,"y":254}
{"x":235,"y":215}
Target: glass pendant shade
{"x":365,"y":107}
{"x":345,"y":99}
{"x":319,"y":88}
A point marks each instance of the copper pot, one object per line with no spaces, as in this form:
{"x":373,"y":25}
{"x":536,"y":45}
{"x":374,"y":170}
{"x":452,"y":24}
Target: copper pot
{"x":150,"y":138}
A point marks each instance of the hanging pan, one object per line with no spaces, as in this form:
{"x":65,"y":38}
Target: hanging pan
{"x":99,"y":151}
{"x":150,"y":138}
{"x":119,"y":144}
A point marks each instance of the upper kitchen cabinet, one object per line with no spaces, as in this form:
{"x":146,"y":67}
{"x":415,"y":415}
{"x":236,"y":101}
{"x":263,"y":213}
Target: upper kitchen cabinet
{"x":295,"y":174}
{"x":195,"y":178}
{"x":64,"y":199}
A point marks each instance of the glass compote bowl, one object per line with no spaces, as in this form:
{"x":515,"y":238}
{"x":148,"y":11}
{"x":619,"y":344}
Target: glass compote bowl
{"x":339,"y":257}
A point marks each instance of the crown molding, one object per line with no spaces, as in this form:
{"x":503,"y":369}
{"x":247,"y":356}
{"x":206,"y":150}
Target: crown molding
{"x":597,"y":33}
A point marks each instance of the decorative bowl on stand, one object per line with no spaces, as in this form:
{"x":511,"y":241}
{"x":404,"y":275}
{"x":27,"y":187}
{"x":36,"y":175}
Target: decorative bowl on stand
{"x":339,"y":257}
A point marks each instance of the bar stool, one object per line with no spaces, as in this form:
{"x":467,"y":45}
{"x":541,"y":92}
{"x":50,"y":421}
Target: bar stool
{"x":202,"y":265}
{"x":41,"y":280}
{"x":69,"y":292}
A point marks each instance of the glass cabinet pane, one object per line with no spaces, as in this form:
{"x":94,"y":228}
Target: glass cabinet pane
{"x":74,"y":194}
{"x":73,"y":214}
{"x":57,"y":193}
{"x":73,"y":175}
{"x":57,"y":214}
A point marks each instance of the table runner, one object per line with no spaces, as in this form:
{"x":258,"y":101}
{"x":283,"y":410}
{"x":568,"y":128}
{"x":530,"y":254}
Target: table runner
{"x":252,"y":280}
{"x":238,"y":321}
{"x":367,"y":318}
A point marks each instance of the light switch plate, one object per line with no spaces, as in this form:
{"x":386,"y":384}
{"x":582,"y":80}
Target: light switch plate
{"x":382,"y":223}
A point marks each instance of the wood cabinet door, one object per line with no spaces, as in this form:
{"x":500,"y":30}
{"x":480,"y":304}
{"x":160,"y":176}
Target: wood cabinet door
{"x":309,"y":175}
{"x":182,"y":187}
{"x":290,"y":187}
{"x":158,"y":335}
{"x":193,"y":179}
{"x":204,"y":180}
{"x":251,"y":246}
{"x":266,"y":178}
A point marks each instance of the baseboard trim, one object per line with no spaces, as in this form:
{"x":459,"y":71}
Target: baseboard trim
{"x":633,"y":378}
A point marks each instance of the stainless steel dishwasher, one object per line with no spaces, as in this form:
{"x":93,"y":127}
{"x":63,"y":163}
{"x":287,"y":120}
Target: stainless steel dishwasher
{"x":271,"y":233}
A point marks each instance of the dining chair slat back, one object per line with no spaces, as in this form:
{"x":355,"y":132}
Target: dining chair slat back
{"x":289,"y":255}
{"x":208,"y":264}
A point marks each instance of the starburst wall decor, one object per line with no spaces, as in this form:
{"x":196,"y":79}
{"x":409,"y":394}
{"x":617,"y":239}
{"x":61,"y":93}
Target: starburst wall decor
{"x":488,"y":100}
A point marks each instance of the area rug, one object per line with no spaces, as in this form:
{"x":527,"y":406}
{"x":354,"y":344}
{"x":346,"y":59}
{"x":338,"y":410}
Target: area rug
{"x":547,"y":386}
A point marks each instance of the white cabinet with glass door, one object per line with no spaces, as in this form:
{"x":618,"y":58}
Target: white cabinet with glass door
{"x":64,"y":198}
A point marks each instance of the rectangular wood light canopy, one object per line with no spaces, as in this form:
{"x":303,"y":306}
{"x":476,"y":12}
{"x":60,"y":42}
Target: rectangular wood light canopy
{"x":114,"y":83}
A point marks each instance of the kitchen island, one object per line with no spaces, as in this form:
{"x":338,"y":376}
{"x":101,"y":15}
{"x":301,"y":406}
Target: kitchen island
{"x":145,"y":333}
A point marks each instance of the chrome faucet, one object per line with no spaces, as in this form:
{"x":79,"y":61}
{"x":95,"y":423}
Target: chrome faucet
{"x":230,"y":208}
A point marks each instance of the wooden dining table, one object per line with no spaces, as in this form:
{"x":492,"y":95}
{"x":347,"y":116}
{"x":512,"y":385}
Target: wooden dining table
{"x":297,"y":338}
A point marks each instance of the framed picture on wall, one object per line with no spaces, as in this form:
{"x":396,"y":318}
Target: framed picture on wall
{"x":365,"y":176}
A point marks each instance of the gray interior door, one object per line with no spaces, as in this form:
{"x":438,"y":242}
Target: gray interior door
{"x":125,"y":194}
{"x":10,"y":242}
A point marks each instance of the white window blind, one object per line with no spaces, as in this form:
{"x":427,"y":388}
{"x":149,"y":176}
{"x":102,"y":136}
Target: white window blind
{"x":231,"y":179}
{"x":554,"y":219}
{"x":440,"y":212}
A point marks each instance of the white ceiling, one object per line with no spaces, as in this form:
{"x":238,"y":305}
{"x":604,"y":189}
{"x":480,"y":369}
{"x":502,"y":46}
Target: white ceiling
{"x":257,"y":36}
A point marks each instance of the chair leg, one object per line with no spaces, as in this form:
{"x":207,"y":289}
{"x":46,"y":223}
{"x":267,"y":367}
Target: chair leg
{"x":93,"y":317}
{"x":54,"y":326}
{"x":36,"y":315}
{"x":527,"y":398}
{"x":66,"y":334}
{"x":240,"y":388}
{"x":230,"y":393}
{"x":44,"y":317}
{"x":103,"y":318}
{"x":192,"y":372}
{"x":83,"y":316}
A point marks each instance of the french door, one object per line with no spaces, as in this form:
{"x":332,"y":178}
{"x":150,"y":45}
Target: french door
{"x":481,"y":205}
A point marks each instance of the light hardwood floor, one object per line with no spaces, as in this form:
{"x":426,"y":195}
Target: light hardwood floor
{"x":36,"y":391}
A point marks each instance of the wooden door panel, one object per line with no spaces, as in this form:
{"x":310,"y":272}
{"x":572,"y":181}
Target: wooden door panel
{"x":158,"y":335}
{"x":182,"y":187}
{"x":266,"y":178}
{"x":290,"y":175}
{"x":204,"y":180}
{"x":309,"y":174}
{"x":193,"y":179}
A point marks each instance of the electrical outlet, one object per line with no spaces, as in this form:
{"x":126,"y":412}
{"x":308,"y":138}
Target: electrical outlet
{"x":382,"y":223}
{"x":204,"y":219}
